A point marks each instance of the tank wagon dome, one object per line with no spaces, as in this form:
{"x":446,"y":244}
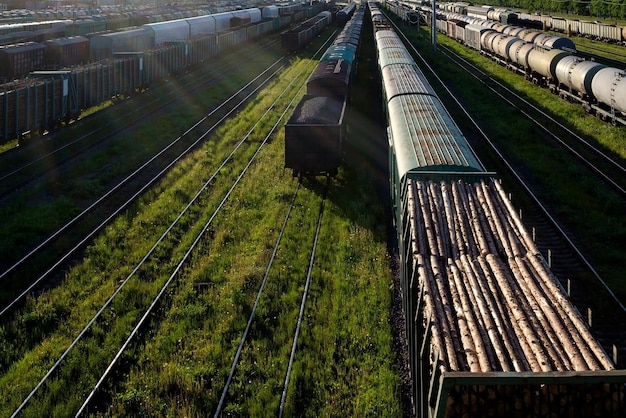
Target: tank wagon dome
{"x":425,"y":139}
{"x":609,"y":87}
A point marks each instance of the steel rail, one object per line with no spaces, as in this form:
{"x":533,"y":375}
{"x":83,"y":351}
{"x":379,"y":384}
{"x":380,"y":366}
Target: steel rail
{"x":124,"y":205}
{"x":305,"y":293}
{"x":244,"y":337}
{"x":174,"y":274}
{"x":109,"y":301}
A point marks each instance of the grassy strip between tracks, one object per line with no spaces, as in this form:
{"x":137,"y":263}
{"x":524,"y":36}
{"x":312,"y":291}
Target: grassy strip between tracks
{"x":37,"y":211}
{"x":593,"y":213}
{"x":344,"y":364}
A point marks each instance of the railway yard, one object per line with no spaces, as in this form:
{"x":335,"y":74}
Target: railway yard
{"x":172,"y":253}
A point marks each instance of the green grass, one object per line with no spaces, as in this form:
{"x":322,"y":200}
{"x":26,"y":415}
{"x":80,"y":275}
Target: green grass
{"x":345,"y":362}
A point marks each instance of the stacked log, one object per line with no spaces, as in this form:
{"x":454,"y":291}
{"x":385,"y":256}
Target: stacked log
{"x":490,"y":299}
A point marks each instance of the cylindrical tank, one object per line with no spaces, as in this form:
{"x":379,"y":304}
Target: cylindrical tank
{"x":558,"y":42}
{"x":544,"y":61}
{"x":502,"y":43}
{"x":609,"y":87}
{"x":513,"y":30}
{"x":577,"y":73}
{"x":528,"y":35}
{"x":487,"y":41}
{"x":521,"y":55}
{"x":539,"y":39}
{"x":499,"y":27}
{"x":514,"y":47}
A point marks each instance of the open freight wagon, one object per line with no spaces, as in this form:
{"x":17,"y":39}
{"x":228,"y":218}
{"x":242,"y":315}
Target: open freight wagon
{"x":314,"y":136}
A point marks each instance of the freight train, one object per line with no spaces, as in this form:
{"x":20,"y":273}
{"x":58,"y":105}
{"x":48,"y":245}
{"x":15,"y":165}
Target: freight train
{"x":46,"y":99}
{"x":315,"y":132}
{"x":19,"y":59}
{"x":297,"y":38}
{"x":585,"y":28}
{"x":546,"y":60}
{"x":490,"y":331}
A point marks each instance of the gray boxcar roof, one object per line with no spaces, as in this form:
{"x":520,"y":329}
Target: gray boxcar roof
{"x":425,"y":138}
{"x":404,"y":79}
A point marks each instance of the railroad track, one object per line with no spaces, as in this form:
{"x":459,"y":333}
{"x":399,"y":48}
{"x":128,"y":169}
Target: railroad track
{"x":24,"y":165}
{"x":188,"y":219}
{"x":247,"y":332}
{"x":590,"y":293}
{"x":73,"y":235}
{"x":605,"y":57}
{"x":601,"y":164}
{"x":593,"y":56}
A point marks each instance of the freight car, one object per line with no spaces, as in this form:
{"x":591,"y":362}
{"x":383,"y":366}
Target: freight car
{"x":314,"y":136}
{"x":65,"y":52}
{"x":46,"y":100}
{"x":490,"y":330}
{"x":548,"y":61}
{"x":345,"y":14}
{"x":297,"y":38}
{"x":571,"y":27}
{"x":315,"y":132}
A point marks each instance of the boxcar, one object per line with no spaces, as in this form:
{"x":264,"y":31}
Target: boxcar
{"x":64,"y":52}
{"x":132,"y":40}
{"x":19,"y":59}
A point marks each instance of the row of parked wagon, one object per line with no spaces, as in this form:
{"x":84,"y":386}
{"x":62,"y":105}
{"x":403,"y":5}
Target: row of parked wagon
{"x":546,"y":60}
{"x":19,"y":59}
{"x":46,"y":99}
{"x":85,"y":24}
{"x":490,"y":330}
{"x":587,"y":28}
{"x":314,"y":134}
